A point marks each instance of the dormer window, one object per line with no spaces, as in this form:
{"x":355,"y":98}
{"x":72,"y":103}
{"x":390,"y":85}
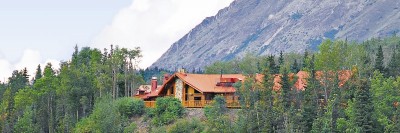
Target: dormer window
{"x":227,"y":82}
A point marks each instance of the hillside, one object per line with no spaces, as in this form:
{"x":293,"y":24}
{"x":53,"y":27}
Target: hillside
{"x":266,"y":27}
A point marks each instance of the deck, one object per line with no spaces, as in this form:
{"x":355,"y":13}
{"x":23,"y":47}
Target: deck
{"x":197,"y":103}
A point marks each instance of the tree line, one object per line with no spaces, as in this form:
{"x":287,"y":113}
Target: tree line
{"x":56,"y":100}
{"x":88,"y":93}
{"x":367,"y":102}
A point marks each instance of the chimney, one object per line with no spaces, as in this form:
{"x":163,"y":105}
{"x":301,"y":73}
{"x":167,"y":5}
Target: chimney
{"x":181,"y":70}
{"x":153,"y":84}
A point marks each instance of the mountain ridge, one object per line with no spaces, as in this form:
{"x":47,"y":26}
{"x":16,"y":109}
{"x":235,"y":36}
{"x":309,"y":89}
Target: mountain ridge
{"x":266,"y":27}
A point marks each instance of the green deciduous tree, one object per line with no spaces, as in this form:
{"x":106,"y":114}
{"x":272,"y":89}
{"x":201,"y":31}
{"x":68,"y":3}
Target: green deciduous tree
{"x":25,"y":123}
{"x":167,"y":110}
{"x":217,"y":120}
{"x":105,"y":118}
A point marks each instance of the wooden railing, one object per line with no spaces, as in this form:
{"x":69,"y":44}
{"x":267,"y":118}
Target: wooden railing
{"x":196,"y":103}
{"x":150,"y":104}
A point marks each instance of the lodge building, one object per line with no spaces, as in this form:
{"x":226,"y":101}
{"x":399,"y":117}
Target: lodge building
{"x":198,"y":90}
{"x":194,"y":90}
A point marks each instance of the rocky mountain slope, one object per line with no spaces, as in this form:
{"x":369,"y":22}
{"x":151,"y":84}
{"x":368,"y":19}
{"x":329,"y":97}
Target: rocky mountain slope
{"x":268,"y":26}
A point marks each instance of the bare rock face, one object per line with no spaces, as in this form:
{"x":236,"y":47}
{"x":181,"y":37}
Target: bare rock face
{"x":265,"y":27}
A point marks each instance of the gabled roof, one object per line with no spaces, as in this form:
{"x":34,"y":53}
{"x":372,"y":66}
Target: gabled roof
{"x":147,"y":91}
{"x":204,"y":83}
{"x":207,"y":83}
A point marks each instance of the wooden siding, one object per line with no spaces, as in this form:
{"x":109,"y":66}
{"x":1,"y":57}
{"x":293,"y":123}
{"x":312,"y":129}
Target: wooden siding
{"x":196,"y":103}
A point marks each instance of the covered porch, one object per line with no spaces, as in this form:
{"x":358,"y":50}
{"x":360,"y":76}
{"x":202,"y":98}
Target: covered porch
{"x":197,"y":103}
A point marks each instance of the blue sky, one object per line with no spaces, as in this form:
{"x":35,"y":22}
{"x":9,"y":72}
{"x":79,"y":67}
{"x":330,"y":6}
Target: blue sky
{"x":34,"y":32}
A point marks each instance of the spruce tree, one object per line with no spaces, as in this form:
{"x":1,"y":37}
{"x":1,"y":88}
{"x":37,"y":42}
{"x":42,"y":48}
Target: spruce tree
{"x":392,"y":66}
{"x":267,"y":99}
{"x":306,"y":61}
{"x":285,"y":90}
{"x":272,"y":65}
{"x":364,"y":107}
{"x":280,"y":61}
{"x":38,"y":74}
{"x":25,"y":74}
{"x":379,"y":60}
{"x":310,"y":104}
{"x":295,"y":67}
{"x":394,"y":63}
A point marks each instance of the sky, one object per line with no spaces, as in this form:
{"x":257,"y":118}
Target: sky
{"x":41,"y":31}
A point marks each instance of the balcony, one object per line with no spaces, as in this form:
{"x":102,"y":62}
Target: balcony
{"x":197,"y":103}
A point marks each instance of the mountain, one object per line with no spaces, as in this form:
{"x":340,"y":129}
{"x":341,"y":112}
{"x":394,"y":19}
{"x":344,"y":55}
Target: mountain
{"x":265,"y":27}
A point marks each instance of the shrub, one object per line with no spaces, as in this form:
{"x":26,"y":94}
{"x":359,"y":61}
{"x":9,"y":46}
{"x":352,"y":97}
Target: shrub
{"x":131,"y":128}
{"x":105,"y":118}
{"x":187,"y":126}
{"x":167,"y":110}
{"x":129,"y":106}
{"x":161,"y":129}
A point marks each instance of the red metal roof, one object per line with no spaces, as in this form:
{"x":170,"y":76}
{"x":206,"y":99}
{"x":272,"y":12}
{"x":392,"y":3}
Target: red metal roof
{"x":208,"y":82}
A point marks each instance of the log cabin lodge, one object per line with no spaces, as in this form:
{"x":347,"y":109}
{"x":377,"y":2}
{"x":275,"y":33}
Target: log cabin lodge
{"x":198,"y":90}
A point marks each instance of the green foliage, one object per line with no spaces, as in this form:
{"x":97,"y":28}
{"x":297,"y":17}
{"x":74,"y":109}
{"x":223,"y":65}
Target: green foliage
{"x":295,"y":68}
{"x":217,"y":108}
{"x":167,"y":110}
{"x":310,"y":104}
{"x":187,"y":126}
{"x":130,"y":107}
{"x":281,"y":61}
{"x":364,"y":108}
{"x":25,"y":123}
{"x":219,"y":66}
{"x":272,"y":66}
{"x":72,"y":99}
{"x":38,"y":74}
{"x":394,"y":63}
{"x":249,"y":64}
{"x":162,"y":129}
{"x":379,"y":60}
{"x":105,"y":118}
{"x":217,"y":120}
{"x":131,"y":128}
{"x":286,"y":89}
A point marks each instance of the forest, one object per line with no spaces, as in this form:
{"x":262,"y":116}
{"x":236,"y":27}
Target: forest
{"x":92,"y":93}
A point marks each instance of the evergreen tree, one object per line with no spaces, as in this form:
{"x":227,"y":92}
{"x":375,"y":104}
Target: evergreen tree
{"x":266,"y":99}
{"x":379,"y":60}
{"x":310,"y":104}
{"x":306,"y":60}
{"x":38,"y":74}
{"x":280,"y":61}
{"x":394,"y":127}
{"x":25,"y":74}
{"x":295,"y":67}
{"x":363,"y":107}
{"x":394,"y":63}
{"x":285,"y":90}
{"x":272,"y":65}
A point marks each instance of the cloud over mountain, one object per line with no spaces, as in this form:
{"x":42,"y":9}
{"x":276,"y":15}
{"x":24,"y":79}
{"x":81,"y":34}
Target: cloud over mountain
{"x":155,"y":24}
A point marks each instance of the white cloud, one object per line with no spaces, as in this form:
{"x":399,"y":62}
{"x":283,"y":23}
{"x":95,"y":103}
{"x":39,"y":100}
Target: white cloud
{"x":156,"y":24}
{"x":29,"y":59}
{"x":5,"y":70}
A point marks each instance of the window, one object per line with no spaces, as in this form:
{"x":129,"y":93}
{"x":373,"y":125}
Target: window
{"x":197,"y":98}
